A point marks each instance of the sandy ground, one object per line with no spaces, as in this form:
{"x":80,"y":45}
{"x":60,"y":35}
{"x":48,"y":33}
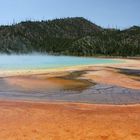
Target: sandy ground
{"x":21,"y":120}
{"x":112,"y":76}
{"x":65,"y":121}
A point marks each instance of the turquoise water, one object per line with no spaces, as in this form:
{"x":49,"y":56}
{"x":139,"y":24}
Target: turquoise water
{"x":38,"y":61}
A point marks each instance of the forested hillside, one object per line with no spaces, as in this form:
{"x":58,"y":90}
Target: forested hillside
{"x":69,"y":36}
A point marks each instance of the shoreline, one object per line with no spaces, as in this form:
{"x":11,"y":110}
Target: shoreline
{"x":61,"y":102}
{"x":7,"y":73}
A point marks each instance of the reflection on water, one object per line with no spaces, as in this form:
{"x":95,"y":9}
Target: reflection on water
{"x":37,"y":82}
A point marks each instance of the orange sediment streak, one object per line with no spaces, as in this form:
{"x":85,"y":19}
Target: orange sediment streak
{"x":61,"y":121}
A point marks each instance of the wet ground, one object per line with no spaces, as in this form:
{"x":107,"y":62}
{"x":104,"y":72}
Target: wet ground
{"x":70,"y":87}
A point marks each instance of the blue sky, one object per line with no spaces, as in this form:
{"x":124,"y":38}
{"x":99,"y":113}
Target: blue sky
{"x":106,"y":13}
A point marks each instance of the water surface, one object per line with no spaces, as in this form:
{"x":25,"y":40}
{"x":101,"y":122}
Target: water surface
{"x":38,"y":61}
